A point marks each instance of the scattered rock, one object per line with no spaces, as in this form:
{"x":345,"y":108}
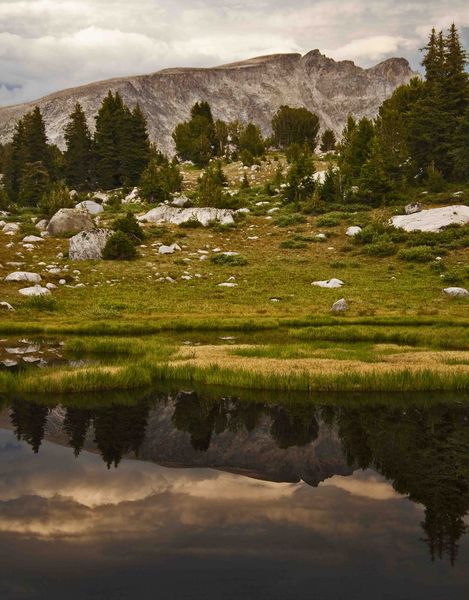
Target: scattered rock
{"x":11,"y":228}
{"x":320,"y":236}
{"x":42,"y":225}
{"x":353,"y":231}
{"x":433,"y":219}
{"x":176,"y":216}
{"x":413,"y":208}
{"x":88,"y":245}
{"x":228,"y":284}
{"x":169,"y":249}
{"x":133,"y":197}
{"x":339,"y":307}
{"x":330,"y":283}
{"x":23,"y":276}
{"x":456,"y":292}
{"x":32,"y":239}
{"x":6,"y":306}
{"x":69,"y":220}
{"x":36,"y":290}
{"x":92,"y":207}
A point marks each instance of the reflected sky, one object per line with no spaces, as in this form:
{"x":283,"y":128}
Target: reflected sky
{"x":71,"y":528}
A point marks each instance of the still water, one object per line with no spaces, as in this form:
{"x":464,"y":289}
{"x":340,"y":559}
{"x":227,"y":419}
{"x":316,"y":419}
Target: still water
{"x":196,"y":496}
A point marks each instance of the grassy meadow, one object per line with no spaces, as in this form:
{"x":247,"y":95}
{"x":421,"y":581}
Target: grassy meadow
{"x":164,"y":317}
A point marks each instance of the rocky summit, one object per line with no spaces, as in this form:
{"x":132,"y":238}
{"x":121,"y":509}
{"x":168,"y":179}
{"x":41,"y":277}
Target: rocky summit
{"x":250,"y":90}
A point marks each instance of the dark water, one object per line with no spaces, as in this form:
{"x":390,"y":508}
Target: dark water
{"x":186,"y":496}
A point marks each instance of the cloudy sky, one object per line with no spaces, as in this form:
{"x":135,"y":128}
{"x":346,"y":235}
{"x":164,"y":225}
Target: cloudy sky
{"x":47,"y":45}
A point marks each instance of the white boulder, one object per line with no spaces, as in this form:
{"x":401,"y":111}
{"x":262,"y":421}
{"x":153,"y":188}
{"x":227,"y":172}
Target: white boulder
{"x":35,"y":290}
{"x":88,"y":245}
{"x":176,"y":216}
{"x":32,"y":239}
{"x":353,"y":231}
{"x":42,"y":224}
{"x":6,"y":306}
{"x":456,"y":292}
{"x":11,"y":228}
{"x":69,"y":220}
{"x":330,"y":283}
{"x":413,"y":208}
{"x":92,"y":207}
{"x":19,"y":276}
{"x":133,"y":197}
{"x":433,"y":219}
{"x":180,"y":201}
{"x":169,"y":249}
{"x":339,"y":307}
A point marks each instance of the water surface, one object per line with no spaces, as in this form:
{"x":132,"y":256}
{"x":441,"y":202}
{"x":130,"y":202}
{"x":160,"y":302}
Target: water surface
{"x":190,"y":495}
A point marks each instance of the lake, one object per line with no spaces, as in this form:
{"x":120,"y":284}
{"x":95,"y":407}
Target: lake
{"x":207,"y":495}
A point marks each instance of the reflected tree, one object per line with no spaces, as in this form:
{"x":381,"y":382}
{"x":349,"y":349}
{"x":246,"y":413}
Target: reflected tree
{"x":29,"y":422}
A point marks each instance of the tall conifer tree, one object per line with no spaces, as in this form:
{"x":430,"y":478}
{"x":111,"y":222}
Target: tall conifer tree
{"x":78,"y":155}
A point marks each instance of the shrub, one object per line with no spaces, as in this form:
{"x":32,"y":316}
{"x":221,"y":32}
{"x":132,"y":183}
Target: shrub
{"x":160,"y":180}
{"x":235,"y":260}
{"x":28,"y":228}
{"x":330,"y":220}
{"x":130,"y":226}
{"x":119,"y":247}
{"x":42,"y":303}
{"x":380,"y":248}
{"x":192,"y":223}
{"x":293,"y":244}
{"x":419,"y":254}
{"x":455,"y":276}
{"x":58,"y":197}
{"x":288,"y":220}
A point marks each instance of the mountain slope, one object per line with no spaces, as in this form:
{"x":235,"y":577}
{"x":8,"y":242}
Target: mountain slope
{"x":250,"y":90}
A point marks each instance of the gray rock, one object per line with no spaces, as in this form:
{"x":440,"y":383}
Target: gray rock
{"x":20,"y":276}
{"x":42,"y":224}
{"x":69,"y":220}
{"x":176,"y":216}
{"x":35,"y":290}
{"x":6,"y":306}
{"x":88,"y":245}
{"x":456,"y":292}
{"x":330,"y":283}
{"x":93,"y":208}
{"x":413,"y":208}
{"x":32,"y":239}
{"x":353,"y":231}
{"x":180,"y":201}
{"x":169,"y":249}
{"x":11,"y":228}
{"x":339,"y":307}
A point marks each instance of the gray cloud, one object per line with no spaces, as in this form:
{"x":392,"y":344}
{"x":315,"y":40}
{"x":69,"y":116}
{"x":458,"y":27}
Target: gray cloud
{"x":46,"y":45}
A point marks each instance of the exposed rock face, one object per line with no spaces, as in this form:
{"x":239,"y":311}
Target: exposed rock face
{"x":176,"y":216}
{"x":251,"y":90}
{"x":69,"y":220}
{"x":88,"y":245}
{"x":433,"y":219}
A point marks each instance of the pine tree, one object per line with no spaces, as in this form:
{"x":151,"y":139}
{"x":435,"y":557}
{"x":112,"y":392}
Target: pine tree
{"x":328,"y":141}
{"x":138,"y":148}
{"x":107,"y":141}
{"x":456,"y":85}
{"x":78,"y":155}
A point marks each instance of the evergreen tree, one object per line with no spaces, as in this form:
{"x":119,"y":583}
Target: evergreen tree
{"x":295,"y":126}
{"x":328,"y":141}
{"x":160,"y":180}
{"x":34,"y":184}
{"x":106,"y":140}
{"x":78,"y":155}
{"x":134,"y":145}
{"x":355,"y":148}
{"x":251,"y":141}
{"x":195,"y":139}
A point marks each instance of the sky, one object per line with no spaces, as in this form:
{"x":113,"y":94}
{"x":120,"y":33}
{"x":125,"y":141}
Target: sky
{"x":47,"y":45}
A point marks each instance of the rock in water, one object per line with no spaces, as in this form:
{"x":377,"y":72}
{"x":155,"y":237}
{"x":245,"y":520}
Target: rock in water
{"x":20,"y":276}
{"x":339,"y":307}
{"x":88,"y":245}
{"x":176,"y":216}
{"x":433,"y":219}
{"x":36,"y":290}
{"x":69,"y":220}
{"x":93,"y":208}
{"x":456,"y":292}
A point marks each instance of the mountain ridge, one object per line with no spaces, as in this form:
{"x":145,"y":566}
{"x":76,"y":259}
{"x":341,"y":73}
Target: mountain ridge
{"x":247,"y":90}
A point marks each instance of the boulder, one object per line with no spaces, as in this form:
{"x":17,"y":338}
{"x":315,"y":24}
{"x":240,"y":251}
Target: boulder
{"x":32,"y":239}
{"x":169,"y":249}
{"x":433,"y":219}
{"x":6,"y":306}
{"x":102,"y":196}
{"x":36,"y":290}
{"x":456,"y":292}
{"x":88,"y":245}
{"x":330,"y":283}
{"x":413,"y":208}
{"x":180,"y":201}
{"x":69,"y":220}
{"x":176,"y":216}
{"x":42,"y":224}
{"x":91,"y":207}
{"x":339,"y":307}
{"x":353,"y":231}
{"x":133,"y":197}
{"x":11,"y":228}
{"x":20,"y":276}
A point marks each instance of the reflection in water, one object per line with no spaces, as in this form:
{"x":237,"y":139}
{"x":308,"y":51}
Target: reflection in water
{"x":423,"y":452}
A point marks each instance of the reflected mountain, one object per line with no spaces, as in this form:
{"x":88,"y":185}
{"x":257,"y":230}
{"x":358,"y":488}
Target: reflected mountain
{"x":422,"y":451}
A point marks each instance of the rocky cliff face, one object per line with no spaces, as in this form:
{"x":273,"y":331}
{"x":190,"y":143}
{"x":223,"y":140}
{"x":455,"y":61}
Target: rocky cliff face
{"x":251,"y":90}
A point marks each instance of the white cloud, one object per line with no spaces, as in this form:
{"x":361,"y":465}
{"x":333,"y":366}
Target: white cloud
{"x":50,"y":44}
